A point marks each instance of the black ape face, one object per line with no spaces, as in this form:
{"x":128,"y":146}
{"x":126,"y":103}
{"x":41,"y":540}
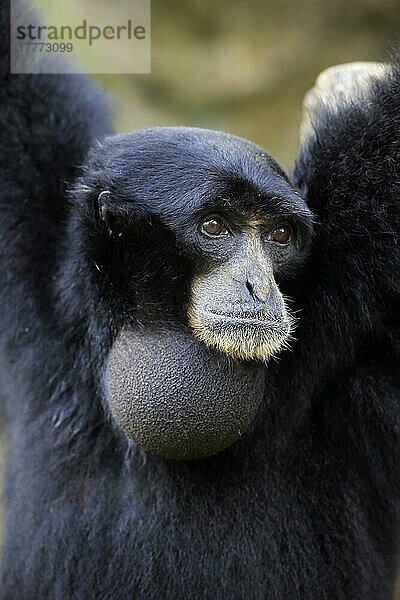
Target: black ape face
{"x":236,"y":305}
{"x":194,"y":230}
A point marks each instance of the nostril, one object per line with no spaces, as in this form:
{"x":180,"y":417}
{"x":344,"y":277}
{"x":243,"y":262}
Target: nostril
{"x":250,"y":287}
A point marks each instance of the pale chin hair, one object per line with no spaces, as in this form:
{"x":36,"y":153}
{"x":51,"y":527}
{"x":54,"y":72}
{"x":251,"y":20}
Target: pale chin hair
{"x":246,"y":344}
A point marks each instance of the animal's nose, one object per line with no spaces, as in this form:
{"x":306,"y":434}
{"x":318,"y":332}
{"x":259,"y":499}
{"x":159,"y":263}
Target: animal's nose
{"x":257,"y":288}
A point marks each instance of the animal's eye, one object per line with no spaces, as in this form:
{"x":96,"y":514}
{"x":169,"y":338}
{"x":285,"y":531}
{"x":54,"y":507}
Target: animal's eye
{"x":213,"y":227}
{"x":282,"y":234}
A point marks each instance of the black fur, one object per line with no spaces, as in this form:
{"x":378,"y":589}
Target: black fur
{"x":305,"y":506}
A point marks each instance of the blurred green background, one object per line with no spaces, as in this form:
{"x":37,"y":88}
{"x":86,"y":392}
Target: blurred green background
{"x":243,"y":66}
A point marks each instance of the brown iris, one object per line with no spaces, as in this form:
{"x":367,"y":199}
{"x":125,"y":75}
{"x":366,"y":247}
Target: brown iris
{"x":214,"y":227}
{"x":282,"y":234}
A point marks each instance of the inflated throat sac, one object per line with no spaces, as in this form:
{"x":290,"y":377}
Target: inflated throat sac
{"x":177,"y":398}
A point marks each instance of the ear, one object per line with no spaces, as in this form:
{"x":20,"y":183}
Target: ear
{"x":110,"y":215}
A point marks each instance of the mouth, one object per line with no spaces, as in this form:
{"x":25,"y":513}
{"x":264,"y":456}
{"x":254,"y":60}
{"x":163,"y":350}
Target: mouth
{"x":257,"y":318}
{"x":242,"y":332}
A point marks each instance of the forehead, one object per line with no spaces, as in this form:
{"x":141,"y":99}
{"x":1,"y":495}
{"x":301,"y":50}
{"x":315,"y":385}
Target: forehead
{"x":256,"y":196}
{"x":230,"y":194}
{"x":252,"y":198}
{"x":175,"y":172}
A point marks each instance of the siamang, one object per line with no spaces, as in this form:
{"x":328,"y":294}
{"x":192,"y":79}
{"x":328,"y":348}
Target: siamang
{"x":198,"y":355}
